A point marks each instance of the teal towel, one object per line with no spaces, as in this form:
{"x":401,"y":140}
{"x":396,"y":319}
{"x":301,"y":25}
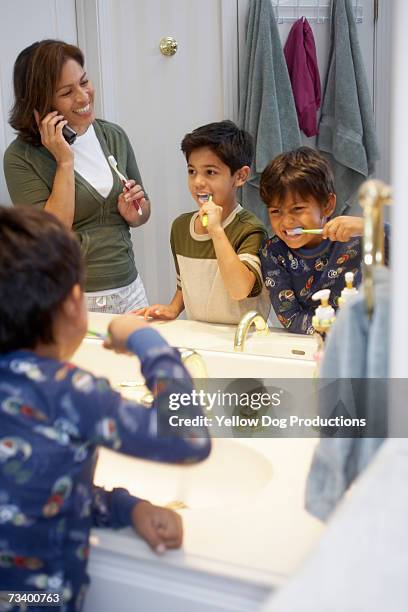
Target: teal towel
{"x":267,"y":108}
{"x":346,"y":130}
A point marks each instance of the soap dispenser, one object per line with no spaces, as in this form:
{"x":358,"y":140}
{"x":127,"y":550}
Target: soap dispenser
{"x":348,"y":290}
{"x":324,"y":316}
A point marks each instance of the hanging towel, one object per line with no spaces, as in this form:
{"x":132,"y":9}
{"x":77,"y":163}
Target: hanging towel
{"x":356,"y":355}
{"x":267,"y":108}
{"x":301,"y":59}
{"x":346,"y":129}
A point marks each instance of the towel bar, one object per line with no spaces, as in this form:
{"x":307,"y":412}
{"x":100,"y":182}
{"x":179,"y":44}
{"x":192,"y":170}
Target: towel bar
{"x":315,"y":11}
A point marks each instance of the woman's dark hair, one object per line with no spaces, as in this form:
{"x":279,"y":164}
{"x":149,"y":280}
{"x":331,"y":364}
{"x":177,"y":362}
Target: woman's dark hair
{"x":40,"y":262}
{"x":303,"y":171}
{"x":232,"y":145}
{"x":36,"y":74}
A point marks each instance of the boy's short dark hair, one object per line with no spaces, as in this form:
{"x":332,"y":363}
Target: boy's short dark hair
{"x":303,"y":171}
{"x":234,"y":147}
{"x":40,"y":262}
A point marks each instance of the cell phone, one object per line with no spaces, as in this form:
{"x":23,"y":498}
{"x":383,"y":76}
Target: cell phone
{"x":69,"y":134}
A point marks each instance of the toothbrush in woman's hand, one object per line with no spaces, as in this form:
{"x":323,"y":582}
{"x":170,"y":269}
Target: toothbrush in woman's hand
{"x":114,"y":165}
{"x":205,"y":198}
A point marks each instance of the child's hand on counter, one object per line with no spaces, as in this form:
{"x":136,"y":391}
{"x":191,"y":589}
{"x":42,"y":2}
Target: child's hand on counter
{"x":160,"y":527}
{"x":119,"y":330}
{"x":158,"y":311}
{"x":343,"y":228}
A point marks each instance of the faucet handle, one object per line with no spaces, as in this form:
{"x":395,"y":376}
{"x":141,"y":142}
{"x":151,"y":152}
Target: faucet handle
{"x":324,"y":316}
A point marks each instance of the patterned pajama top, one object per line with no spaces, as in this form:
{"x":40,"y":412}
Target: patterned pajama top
{"x":53,"y":416}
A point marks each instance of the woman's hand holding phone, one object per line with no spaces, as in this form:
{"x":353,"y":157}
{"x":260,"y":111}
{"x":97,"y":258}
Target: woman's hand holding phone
{"x":50,"y":128}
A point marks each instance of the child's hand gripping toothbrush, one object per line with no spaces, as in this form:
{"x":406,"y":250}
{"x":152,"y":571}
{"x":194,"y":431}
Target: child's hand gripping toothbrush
{"x":205,"y":198}
{"x":114,"y":165}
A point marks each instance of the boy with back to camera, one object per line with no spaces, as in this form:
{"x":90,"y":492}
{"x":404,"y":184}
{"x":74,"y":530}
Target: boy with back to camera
{"x":215,"y":250}
{"x":54,"y":415}
{"x":298,"y":190}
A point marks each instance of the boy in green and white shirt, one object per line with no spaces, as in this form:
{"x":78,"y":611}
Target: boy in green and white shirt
{"x":219,"y":277}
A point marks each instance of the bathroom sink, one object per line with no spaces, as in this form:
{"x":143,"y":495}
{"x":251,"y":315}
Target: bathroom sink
{"x":124,"y":371}
{"x":233,"y":474}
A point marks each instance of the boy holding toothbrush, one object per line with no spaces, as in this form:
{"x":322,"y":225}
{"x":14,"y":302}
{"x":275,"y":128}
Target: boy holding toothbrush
{"x":298,"y":189}
{"x":53,"y":417}
{"x":215,"y":250}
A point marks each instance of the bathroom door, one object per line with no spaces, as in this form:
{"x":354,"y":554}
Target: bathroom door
{"x":23,"y":22}
{"x":157,"y":99}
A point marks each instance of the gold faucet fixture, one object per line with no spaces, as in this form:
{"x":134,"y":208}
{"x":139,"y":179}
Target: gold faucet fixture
{"x":250,"y":318}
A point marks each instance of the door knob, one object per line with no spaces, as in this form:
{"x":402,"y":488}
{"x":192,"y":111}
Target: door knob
{"x":168,"y":45}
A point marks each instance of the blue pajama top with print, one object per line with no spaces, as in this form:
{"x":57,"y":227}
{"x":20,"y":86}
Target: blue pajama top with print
{"x":52,"y":418}
{"x":293,"y":276}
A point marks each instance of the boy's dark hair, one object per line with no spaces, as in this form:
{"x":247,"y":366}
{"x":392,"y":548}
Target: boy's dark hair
{"x":40,"y":262}
{"x":234,"y":147}
{"x":37,"y":70}
{"x":302,"y":171}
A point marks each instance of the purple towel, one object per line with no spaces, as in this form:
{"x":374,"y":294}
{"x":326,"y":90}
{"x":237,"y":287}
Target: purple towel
{"x":300,"y":54}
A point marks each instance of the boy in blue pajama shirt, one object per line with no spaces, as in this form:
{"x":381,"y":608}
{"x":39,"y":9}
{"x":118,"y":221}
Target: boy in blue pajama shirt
{"x":53,"y":416}
{"x":298,"y":189}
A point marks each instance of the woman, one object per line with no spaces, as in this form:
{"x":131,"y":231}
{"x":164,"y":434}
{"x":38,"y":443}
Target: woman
{"x":75,"y":182}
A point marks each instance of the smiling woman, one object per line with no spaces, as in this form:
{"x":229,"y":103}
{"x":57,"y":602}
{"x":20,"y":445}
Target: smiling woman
{"x":59,"y":162}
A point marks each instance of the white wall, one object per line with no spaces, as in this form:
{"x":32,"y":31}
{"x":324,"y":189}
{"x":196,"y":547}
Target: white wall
{"x":23,"y":22}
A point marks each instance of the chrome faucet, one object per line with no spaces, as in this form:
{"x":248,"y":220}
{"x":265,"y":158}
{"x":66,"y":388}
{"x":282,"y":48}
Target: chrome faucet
{"x":251,"y":317}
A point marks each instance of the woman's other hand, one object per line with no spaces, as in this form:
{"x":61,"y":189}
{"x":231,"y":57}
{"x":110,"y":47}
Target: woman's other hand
{"x":50,"y":128}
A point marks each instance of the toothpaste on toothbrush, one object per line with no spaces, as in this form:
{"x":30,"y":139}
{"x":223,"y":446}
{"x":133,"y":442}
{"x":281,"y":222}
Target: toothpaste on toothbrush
{"x":207,"y":197}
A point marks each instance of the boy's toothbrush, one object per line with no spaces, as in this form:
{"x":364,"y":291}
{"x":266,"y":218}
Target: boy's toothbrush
{"x":301,"y":230}
{"x":205,"y":198}
{"x":94,"y":334}
{"x":296,"y":231}
{"x":114,"y":165}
